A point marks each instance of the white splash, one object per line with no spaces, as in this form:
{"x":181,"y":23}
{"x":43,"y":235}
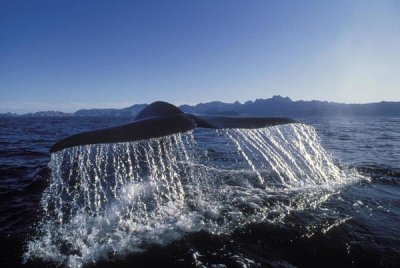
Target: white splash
{"x":107,"y":201}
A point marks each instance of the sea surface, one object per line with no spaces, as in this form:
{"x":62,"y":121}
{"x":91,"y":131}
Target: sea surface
{"x":322,"y":193}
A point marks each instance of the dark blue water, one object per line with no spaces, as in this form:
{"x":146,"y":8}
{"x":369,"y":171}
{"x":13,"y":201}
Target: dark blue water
{"x":355,"y":222}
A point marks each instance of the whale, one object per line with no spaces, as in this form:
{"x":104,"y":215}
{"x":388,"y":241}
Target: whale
{"x":160,"y":119}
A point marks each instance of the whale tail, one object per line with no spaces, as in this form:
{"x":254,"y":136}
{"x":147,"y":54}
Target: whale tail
{"x":161,"y":119}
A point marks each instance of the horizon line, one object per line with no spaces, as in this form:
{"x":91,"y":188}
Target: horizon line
{"x":125,"y":104}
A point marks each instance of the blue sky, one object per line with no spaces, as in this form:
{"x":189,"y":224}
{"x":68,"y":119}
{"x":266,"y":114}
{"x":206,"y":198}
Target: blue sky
{"x":67,"y":55}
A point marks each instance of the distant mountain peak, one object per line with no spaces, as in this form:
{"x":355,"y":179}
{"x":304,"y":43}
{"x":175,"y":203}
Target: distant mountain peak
{"x":280,"y":98}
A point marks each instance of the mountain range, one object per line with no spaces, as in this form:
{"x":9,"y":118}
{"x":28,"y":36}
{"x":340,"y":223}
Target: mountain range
{"x":275,"y":106}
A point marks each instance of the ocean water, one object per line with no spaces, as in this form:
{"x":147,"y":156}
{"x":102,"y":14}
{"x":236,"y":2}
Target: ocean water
{"x":325,"y":192}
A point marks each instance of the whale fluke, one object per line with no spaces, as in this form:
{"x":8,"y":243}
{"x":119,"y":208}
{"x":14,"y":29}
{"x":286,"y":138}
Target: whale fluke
{"x":161,"y":119}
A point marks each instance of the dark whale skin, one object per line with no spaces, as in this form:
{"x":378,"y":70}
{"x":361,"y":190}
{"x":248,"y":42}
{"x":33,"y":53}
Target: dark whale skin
{"x":161,"y":119}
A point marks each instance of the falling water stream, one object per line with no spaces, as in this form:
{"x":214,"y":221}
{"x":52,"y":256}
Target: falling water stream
{"x":110,"y":200}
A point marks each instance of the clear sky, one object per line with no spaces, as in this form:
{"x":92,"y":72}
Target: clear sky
{"x":67,"y":55}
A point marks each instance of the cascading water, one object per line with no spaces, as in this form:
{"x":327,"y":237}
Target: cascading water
{"x":291,"y":156}
{"x":106,"y":201}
